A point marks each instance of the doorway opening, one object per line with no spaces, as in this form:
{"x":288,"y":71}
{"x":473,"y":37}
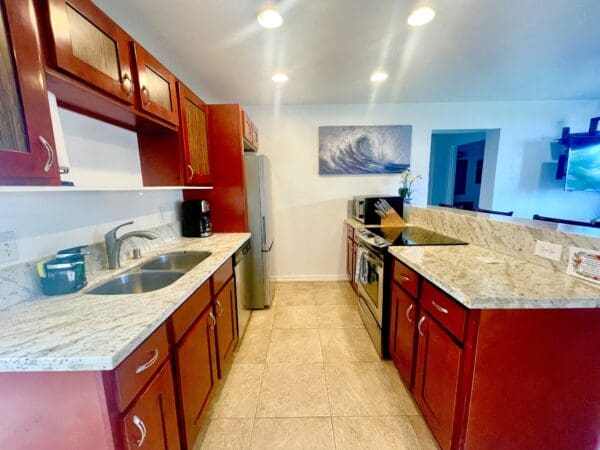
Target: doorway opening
{"x":462,"y":168}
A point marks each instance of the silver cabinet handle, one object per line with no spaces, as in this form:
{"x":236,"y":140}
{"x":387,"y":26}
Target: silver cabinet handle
{"x":219,"y":308}
{"x":139,"y":423}
{"x":192,"y":173}
{"x":127,"y":84}
{"x":145,"y":96}
{"x":50,"y":151}
{"x":214,"y":320}
{"x":439,"y":308}
{"x":421,"y":320}
{"x":404,"y":277}
{"x":149,"y":363}
{"x":408,"y":310}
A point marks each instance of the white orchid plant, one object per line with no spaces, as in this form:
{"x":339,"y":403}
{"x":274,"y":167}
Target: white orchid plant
{"x":407,"y":179}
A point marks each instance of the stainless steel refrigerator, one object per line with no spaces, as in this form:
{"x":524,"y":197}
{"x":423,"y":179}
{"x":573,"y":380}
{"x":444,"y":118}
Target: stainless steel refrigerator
{"x":258,"y":188}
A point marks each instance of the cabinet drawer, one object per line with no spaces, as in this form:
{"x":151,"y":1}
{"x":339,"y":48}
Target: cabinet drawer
{"x":133,"y":373}
{"x":444,"y":309}
{"x":407,"y":278}
{"x":221,"y":276}
{"x":186,"y":314}
{"x":349,"y":231}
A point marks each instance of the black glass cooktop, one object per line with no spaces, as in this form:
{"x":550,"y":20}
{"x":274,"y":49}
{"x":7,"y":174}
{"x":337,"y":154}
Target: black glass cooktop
{"x":414,"y":236}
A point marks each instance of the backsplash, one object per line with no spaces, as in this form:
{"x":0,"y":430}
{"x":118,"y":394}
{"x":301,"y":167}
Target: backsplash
{"x":511,"y":236}
{"x":20,"y":282}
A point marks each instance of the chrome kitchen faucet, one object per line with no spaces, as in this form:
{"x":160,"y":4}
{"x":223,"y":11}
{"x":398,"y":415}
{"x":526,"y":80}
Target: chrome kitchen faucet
{"x":113,"y":244}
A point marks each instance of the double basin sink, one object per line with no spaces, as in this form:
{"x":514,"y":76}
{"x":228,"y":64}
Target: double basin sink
{"x":155,"y":274}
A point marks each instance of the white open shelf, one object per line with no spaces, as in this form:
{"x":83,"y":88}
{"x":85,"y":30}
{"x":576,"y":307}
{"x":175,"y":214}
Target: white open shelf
{"x":97,"y":188}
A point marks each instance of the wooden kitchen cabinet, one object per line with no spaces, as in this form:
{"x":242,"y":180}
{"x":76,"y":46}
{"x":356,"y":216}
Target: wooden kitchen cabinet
{"x":351,"y":251}
{"x":88,"y":45}
{"x":27,"y":153}
{"x":194,"y":137}
{"x":349,"y":259}
{"x":227,"y":332}
{"x":250,"y":133}
{"x":196,"y":367}
{"x":437,"y":372}
{"x":403,"y":317}
{"x":157,"y":87}
{"x":151,"y":423}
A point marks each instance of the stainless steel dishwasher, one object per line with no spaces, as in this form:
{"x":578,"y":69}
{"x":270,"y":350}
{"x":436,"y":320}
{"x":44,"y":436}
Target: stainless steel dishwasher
{"x":242,"y":284}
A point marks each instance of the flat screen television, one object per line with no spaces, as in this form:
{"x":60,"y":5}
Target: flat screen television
{"x":583,"y":164}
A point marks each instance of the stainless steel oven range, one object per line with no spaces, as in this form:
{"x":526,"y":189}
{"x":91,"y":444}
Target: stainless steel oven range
{"x":372,"y":269}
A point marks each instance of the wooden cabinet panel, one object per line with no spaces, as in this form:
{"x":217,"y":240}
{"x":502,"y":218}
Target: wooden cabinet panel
{"x":436,"y":378}
{"x":249,"y":132}
{"x":133,"y":373}
{"x":87,"y":44}
{"x":349,"y":260}
{"x":194,"y":135}
{"x":354,"y":263}
{"x":26,"y":140}
{"x":227,"y":332}
{"x":152,"y":421}
{"x":157,"y":87}
{"x":403,"y":315}
{"x":221,"y":276}
{"x":186,"y":314}
{"x":407,"y":278}
{"x":444,"y":309}
{"x":196,"y":357}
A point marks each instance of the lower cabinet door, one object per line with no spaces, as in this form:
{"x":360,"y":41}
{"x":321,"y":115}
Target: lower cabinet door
{"x":227,"y":332}
{"x":349,"y":259}
{"x":354,"y":263}
{"x":436,"y":378}
{"x":196,"y":357}
{"x":402,"y":332}
{"x":152,"y":420}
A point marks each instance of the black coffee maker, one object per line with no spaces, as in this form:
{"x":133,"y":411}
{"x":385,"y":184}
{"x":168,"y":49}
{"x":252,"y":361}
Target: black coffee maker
{"x":195,"y":218}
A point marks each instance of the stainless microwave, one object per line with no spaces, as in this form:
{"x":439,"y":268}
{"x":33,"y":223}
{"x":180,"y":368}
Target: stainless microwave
{"x":363,"y":207}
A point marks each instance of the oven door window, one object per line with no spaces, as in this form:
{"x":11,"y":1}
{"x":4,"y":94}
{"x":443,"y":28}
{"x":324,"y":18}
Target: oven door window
{"x":370,"y":280}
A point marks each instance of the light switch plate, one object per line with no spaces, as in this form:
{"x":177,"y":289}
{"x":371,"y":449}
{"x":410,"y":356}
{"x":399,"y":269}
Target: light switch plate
{"x":8,"y":247}
{"x":548,"y":250}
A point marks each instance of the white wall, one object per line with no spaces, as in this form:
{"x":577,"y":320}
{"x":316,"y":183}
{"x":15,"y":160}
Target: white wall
{"x":309,"y":209}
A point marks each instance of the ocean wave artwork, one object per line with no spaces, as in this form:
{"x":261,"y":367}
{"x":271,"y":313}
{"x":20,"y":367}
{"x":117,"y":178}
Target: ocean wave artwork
{"x":352,"y":150}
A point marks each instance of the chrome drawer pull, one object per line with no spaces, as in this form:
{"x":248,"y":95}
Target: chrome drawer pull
{"x":50,"y":151}
{"x":439,"y":308}
{"x":150,"y":362}
{"x":127,"y":84}
{"x":408,"y":310}
{"x":420,"y":324}
{"x":192,"y":173}
{"x":404,"y":277}
{"x":214,"y":321}
{"x":139,"y":423}
{"x":219,"y":309}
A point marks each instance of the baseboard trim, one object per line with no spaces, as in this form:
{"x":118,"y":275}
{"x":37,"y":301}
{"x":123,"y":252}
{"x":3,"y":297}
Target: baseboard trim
{"x":292,"y":278}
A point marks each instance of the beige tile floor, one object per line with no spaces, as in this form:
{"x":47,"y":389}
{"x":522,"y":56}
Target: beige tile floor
{"x":306,"y":376}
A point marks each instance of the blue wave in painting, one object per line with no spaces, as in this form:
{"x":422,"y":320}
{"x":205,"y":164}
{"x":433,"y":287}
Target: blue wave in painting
{"x":364,"y":150}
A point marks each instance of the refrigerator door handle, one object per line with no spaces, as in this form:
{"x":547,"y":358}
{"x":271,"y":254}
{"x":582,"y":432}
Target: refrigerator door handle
{"x":269,"y":249}
{"x":264,"y":232}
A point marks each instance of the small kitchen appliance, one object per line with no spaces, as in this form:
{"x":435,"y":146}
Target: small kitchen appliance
{"x":365,"y":207}
{"x":65,"y":273}
{"x":195,"y":218}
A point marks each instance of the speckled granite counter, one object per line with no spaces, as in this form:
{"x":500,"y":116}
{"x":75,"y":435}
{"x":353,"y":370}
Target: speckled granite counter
{"x":354,"y":223}
{"x":483,"y":279}
{"x":94,"y":332}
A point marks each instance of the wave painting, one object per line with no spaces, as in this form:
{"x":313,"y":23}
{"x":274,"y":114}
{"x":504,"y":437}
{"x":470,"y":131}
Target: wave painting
{"x":364,"y":149}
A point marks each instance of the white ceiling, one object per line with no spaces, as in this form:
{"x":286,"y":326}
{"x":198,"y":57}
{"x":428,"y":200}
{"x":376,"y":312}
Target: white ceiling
{"x":474,"y":50}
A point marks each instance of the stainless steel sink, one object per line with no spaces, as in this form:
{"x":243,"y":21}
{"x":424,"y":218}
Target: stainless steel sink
{"x":182,"y":261}
{"x":137,"y":282}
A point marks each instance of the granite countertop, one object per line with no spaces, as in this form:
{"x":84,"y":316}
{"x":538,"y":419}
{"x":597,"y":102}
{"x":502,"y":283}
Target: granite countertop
{"x":97,"y":332}
{"x":483,"y":279}
{"x":354,"y":223}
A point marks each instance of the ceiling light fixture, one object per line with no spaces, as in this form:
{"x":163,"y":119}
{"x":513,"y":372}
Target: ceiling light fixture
{"x":421,"y":16}
{"x":269,"y":18}
{"x":378,"y":77}
{"x":280,"y":78}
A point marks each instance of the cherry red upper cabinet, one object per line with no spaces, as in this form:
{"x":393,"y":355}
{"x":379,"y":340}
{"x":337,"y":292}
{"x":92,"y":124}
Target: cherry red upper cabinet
{"x":87,"y":44}
{"x":157,"y":87}
{"x":194,"y":136}
{"x":27,"y":153}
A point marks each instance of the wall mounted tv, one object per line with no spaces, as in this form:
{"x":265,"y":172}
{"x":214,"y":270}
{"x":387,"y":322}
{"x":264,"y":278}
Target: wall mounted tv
{"x":583,"y":164}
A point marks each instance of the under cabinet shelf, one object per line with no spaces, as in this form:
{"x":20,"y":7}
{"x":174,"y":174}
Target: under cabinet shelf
{"x":6,"y":189}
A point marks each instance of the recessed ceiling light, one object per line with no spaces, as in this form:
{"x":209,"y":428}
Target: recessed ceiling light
{"x":378,"y":77}
{"x":269,"y":18}
{"x":421,"y":16}
{"x":280,"y":78}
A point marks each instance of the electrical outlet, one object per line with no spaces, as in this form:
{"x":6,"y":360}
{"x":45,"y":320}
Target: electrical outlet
{"x":548,"y":250}
{"x":8,"y":247}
